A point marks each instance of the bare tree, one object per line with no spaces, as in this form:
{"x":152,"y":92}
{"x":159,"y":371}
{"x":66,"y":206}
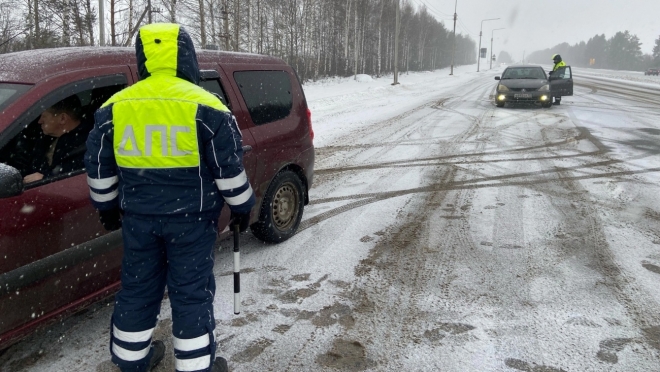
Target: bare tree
{"x":317,"y":37}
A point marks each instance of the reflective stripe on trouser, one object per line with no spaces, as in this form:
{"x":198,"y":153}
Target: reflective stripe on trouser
{"x":131,"y":351}
{"x":159,"y":252}
{"x":185,"y":351}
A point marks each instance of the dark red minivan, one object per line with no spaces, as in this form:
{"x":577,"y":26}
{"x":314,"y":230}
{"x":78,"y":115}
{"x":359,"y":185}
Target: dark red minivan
{"x":55,"y":257}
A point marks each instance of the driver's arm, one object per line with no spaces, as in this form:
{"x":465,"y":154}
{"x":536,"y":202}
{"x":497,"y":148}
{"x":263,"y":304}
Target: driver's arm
{"x":33,"y":177}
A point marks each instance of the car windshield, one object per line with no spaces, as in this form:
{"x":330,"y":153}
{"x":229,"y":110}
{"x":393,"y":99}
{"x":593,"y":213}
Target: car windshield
{"x":10,"y":92}
{"x":523,"y":73}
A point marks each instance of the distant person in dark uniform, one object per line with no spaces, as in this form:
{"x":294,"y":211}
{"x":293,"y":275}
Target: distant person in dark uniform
{"x":559,"y":62}
{"x":62,"y":148}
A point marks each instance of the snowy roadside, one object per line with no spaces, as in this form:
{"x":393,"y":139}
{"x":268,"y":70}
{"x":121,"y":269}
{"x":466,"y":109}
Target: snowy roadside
{"x":635,"y":78}
{"x":342,"y":105}
{"x":630,"y":76}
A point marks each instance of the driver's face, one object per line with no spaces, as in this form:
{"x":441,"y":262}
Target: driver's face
{"x":51,"y":123}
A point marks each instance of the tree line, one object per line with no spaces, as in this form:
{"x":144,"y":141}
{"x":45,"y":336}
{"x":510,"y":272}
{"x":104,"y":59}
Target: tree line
{"x":505,"y":57}
{"x":317,"y":37}
{"x":620,"y":52}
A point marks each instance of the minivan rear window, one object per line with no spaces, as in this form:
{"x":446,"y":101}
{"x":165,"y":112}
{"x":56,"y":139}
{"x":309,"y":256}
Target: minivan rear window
{"x":10,"y":92}
{"x":266,"y":93}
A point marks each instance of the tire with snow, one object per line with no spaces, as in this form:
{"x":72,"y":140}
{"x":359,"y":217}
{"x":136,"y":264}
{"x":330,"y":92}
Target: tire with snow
{"x":499,"y":104}
{"x":281,"y":209}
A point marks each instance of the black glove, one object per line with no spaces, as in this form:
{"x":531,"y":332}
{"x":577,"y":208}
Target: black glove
{"x":111,"y":219}
{"x":240,"y":219}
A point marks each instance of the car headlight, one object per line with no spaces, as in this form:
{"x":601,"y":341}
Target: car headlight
{"x":502,"y":88}
{"x":545,"y":88}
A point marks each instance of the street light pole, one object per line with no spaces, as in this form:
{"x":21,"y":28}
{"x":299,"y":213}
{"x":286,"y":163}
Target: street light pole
{"x":491,"y":46}
{"x":480,"y":33}
{"x":453,"y":50}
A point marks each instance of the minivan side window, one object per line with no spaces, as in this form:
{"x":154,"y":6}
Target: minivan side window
{"x":51,"y":146}
{"x":267,"y":94}
{"x":213,"y":86}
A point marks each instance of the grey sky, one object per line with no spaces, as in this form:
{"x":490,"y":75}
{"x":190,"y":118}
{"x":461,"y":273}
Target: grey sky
{"x":532,"y":24}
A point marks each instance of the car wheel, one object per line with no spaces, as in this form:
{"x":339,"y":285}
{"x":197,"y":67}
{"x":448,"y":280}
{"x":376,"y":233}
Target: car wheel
{"x":499,"y":104}
{"x":281,"y":209}
{"x":547,"y":105}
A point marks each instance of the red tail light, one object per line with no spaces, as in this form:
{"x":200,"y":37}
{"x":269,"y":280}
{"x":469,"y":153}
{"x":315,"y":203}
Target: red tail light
{"x":309,"y":122}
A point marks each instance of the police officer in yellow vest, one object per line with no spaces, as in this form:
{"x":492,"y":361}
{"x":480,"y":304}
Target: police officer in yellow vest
{"x":556,"y":58}
{"x":163,"y":158}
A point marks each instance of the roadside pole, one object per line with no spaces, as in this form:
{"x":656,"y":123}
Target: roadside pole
{"x":396,"y":45}
{"x":479,"y":50}
{"x":101,"y":24}
{"x":480,"y":33}
{"x":453,"y":49}
{"x":492,"y":54}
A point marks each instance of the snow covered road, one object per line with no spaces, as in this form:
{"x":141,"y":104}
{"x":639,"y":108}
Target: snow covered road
{"x":446,"y":234}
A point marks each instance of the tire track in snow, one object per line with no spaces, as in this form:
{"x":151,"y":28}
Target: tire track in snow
{"x":584,"y":134}
{"x":392,"y":126}
{"x":521,"y":266}
{"x":443,"y":173}
{"x":640,"y":306}
{"x":581,"y":215}
{"x":406,"y":123}
{"x":478,"y":183}
{"x":395,"y":277}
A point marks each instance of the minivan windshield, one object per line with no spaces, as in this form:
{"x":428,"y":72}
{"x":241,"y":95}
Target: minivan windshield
{"x":524,"y":73}
{"x":10,"y":92}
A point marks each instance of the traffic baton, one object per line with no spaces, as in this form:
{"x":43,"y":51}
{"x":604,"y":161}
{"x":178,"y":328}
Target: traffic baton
{"x":237,"y":272}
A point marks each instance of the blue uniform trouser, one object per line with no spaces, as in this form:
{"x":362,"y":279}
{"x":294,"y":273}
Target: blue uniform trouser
{"x":159,"y":252}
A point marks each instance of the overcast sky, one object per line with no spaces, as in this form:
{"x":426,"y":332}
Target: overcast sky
{"x":532,"y":24}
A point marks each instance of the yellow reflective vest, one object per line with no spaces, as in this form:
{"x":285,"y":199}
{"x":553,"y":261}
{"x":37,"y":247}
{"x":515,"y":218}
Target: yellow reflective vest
{"x":165,"y":146}
{"x":558,"y":65}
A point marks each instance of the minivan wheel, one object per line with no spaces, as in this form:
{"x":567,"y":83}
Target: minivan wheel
{"x":281,"y":209}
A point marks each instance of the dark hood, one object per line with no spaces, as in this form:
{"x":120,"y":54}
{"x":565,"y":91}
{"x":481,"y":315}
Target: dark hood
{"x":524,"y":83}
{"x":166,"y":48}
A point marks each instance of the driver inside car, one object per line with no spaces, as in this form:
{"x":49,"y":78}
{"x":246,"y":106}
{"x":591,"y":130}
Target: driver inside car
{"x":62,"y":147}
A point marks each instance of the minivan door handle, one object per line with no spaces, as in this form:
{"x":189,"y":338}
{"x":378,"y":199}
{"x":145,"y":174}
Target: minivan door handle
{"x":247,"y":148}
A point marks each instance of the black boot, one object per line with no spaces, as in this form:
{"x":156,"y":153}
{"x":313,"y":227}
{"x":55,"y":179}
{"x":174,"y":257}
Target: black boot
{"x":159,"y":351}
{"x":220,"y":365}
